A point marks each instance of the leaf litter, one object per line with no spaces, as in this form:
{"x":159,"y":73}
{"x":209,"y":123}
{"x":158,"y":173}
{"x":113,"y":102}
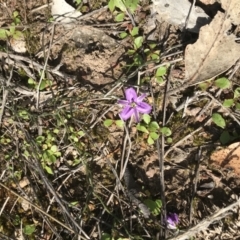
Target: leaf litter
{"x":90,"y":189}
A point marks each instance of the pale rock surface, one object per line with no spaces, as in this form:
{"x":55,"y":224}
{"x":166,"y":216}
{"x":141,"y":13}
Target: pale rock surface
{"x":63,"y":12}
{"x":176,"y":13}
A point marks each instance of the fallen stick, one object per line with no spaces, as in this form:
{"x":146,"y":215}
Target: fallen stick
{"x":204,"y":224}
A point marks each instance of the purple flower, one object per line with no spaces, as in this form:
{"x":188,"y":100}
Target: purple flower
{"x":172,"y":220}
{"x":133,"y":105}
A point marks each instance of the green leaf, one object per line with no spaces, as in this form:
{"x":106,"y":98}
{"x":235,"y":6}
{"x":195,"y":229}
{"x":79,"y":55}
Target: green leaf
{"x":44,"y":84}
{"x":237,"y":92}
{"x":78,"y":2}
{"x":150,"y":140}
{"x":222,"y":83}
{"x":158,"y":203}
{"x":120,"y":17}
{"x":159,"y":80}
{"x":218,"y":120}
{"x":119,"y":4}
{"x":131,"y":5}
{"x":4,"y":33}
{"x":166,"y":131}
{"x":142,"y":128}
{"x":81,"y":133}
{"x":138,"y":42}
{"x":12,"y":29}
{"x":31,"y":81}
{"x":123,"y":35}
{"x":228,"y":102}
{"x":154,"y":206}
{"x":131,"y":52}
{"x":161,"y":71}
{"x":119,"y":123}
{"x":29,"y":229}
{"x":154,"y":135}
{"x":106,"y":236}
{"x":152,"y":45}
{"x":111,"y":5}
{"x":40,"y":139}
{"x":54,"y":148}
{"x":15,"y":14}
{"x":203,"y":86}
{"x":169,"y":140}
{"x":225,"y":137}
{"x":146,"y":118}
{"x":134,"y":31}
{"x":237,"y":106}
{"x":108,"y":122}
{"x":153,"y":126}
{"x":48,"y":169}
{"x":17,"y":35}
{"x":155,"y":56}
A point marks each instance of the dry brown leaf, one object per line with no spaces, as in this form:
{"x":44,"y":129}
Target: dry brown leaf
{"x":232,"y":9}
{"x":208,"y":1}
{"x":228,"y":157}
{"x":214,"y":52}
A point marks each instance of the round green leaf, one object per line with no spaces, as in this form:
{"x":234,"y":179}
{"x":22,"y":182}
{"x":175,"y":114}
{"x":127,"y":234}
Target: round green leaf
{"x":123,"y":35}
{"x":225,"y":137}
{"x":119,"y":123}
{"x":222,"y":83}
{"x":106,"y":236}
{"x":142,"y":128}
{"x":29,"y":229}
{"x":228,"y":102}
{"x":111,"y":5}
{"x":237,"y":105}
{"x":4,"y":33}
{"x":146,"y":118}
{"x":237,"y":92}
{"x":159,"y":80}
{"x":154,"y":135}
{"x":134,"y":31}
{"x":138,"y":42}
{"x":54,"y":148}
{"x":154,"y":206}
{"x":119,"y":17}
{"x":161,"y":71}
{"x":218,"y":120}
{"x":108,"y":122}
{"x":166,"y":131}
{"x":153,"y":126}
{"x":150,"y":140}
{"x":48,"y":169}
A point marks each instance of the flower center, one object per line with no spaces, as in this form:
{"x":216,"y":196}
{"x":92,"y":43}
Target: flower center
{"x":133,"y":104}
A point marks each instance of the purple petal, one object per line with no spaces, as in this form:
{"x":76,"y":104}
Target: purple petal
{"x":123,"y":102}
{"x":140,"y":98}
{"x":172,"y":219}
{"x":126,"y":113}
{"x":131,"y":94}
{"x":136,"y":114}
{"x":143,"y":107}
